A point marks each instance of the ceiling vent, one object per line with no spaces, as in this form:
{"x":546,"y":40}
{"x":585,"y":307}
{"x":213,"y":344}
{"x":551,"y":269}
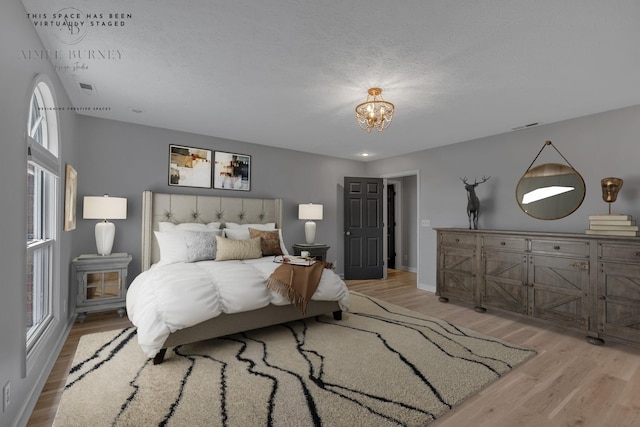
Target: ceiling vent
{"x":87,"y":88}
{"x":530,"y":125}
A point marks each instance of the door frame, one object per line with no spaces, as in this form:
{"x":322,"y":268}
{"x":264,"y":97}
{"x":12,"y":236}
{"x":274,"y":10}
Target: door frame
{"x":398,"y":211}
{"x":385,"y":178}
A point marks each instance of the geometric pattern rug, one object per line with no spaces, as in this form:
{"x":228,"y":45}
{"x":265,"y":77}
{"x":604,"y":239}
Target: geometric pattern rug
{"x":381,"y":365}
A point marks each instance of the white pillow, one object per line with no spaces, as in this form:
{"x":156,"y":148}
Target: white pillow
{"x":267,"y":226}
{"x":174,"y":245}
{"x":283,"y":247}
{"x":228,"y":249}
{"x":191,"y":226}
{"x":236,"y":233}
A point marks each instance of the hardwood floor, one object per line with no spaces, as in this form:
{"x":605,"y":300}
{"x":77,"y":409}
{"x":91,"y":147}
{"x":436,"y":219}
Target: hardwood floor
{"x":45,"y":409}
{"x":569,"y":382}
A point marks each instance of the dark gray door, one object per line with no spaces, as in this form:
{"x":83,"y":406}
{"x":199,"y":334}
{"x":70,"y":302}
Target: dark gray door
{"x":363,"y":240}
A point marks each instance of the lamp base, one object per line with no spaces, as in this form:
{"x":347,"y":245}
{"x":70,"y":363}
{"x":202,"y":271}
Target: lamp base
{"x":310,"y":232}
{"x":105,"y":232}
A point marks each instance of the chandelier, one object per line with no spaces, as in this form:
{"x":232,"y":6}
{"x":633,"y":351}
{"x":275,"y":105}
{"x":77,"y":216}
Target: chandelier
{"x":375,"y":112}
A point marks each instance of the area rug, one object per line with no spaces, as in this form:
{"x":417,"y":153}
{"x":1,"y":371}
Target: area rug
{"x":381,"y":365}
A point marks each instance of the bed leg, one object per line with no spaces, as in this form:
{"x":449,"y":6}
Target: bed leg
{"x":159,"y":358}
{"x":337,"y":315}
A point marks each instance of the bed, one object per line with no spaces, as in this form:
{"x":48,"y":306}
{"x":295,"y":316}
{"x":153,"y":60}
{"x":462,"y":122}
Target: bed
{"x":174,"y":302}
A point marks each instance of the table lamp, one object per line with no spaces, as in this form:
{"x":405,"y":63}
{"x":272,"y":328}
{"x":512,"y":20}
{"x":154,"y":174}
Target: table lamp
{"x":105,"y":208}
{"x":310,"y":212}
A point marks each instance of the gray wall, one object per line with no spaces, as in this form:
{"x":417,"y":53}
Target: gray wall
{"x":598,"y":146}
{"x":16,"y":76}
{"x":409,"y":223}
{"x":122,"y":159}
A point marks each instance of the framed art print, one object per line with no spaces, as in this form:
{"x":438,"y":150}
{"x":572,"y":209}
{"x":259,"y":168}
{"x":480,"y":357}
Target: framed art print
{"x":189,"y":167}
{"x":232,"y":171}
{"x":70,"y":195}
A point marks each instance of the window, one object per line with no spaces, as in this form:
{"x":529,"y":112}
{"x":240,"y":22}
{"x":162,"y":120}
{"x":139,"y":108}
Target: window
{"x":43,"y":173}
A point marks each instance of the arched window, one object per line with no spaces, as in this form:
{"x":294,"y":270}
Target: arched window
{"x":43,"y":174}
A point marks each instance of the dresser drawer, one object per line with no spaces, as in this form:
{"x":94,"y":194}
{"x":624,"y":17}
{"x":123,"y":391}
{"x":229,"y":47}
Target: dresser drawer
{"x":503,"y":242}
{"x":458,"y":240}
{"x":618,"y":252}
{"x":560,"y":247}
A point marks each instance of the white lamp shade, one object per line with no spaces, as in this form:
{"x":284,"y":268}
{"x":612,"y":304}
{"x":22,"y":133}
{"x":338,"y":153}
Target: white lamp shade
{"x":310,"y":211}
{"x":104,"y":207}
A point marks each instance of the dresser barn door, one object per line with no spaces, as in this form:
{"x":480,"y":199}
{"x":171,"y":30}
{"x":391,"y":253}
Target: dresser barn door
{"x":619,"y":300}
{"x":559,"y":289}
{"x":457,"y":273}
{"x":504,"y":281}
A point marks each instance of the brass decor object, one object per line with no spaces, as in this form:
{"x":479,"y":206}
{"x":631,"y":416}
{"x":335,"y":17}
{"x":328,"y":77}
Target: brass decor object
{"x":612,"y":224}
{"x":375,"y":112}
{"x":610,"y":189}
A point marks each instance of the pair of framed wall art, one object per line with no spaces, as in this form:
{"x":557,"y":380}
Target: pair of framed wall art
{"x":199,"y":167}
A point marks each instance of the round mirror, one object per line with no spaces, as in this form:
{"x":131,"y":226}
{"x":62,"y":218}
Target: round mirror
{"x":550,"y":191}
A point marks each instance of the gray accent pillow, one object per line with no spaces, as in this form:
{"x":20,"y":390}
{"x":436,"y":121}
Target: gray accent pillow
{"x":201,"y":245}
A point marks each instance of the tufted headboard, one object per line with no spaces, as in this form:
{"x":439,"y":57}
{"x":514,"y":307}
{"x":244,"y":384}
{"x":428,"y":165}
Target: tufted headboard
{"x":179,"y":208}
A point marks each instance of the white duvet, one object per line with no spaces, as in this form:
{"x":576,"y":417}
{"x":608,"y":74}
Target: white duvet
{"x":167,"y":298}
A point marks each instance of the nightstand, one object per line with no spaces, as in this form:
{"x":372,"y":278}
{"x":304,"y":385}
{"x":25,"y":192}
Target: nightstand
{"x":316,"y":250}
{"x":102,"y":283}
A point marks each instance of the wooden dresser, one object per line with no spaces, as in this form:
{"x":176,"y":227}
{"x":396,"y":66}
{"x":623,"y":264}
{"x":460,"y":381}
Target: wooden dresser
{"x":583,"y":282}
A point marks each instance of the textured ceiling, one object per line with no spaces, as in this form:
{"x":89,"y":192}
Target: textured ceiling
{"x":289,"y":73}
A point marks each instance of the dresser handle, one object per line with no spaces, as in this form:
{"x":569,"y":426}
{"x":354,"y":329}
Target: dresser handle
{"x":502,"y":243}
{"x":557,"y":248}
{"x":457,"y":240}
{"x":637,"y":253}
{"x":602,"y":297}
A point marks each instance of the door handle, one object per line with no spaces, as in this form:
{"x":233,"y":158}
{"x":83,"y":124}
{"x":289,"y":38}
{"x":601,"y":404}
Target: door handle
{"x":347,"y":233}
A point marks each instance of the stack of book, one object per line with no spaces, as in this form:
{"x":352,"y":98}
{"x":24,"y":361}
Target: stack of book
{"x":612,"y":225}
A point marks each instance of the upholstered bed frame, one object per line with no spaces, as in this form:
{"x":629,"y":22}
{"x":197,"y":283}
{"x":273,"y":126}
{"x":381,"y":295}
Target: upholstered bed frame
{"x":180,"y":208}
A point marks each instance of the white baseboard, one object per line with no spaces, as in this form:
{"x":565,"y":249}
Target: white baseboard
{"x":426,"y":287}
{"x":30,"y":404}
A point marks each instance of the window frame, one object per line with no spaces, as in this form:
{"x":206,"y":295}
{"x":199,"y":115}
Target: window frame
{"x":42,"y":240}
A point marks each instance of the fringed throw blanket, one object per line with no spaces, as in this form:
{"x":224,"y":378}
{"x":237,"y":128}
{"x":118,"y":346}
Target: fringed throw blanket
{"x":296,"y":282}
